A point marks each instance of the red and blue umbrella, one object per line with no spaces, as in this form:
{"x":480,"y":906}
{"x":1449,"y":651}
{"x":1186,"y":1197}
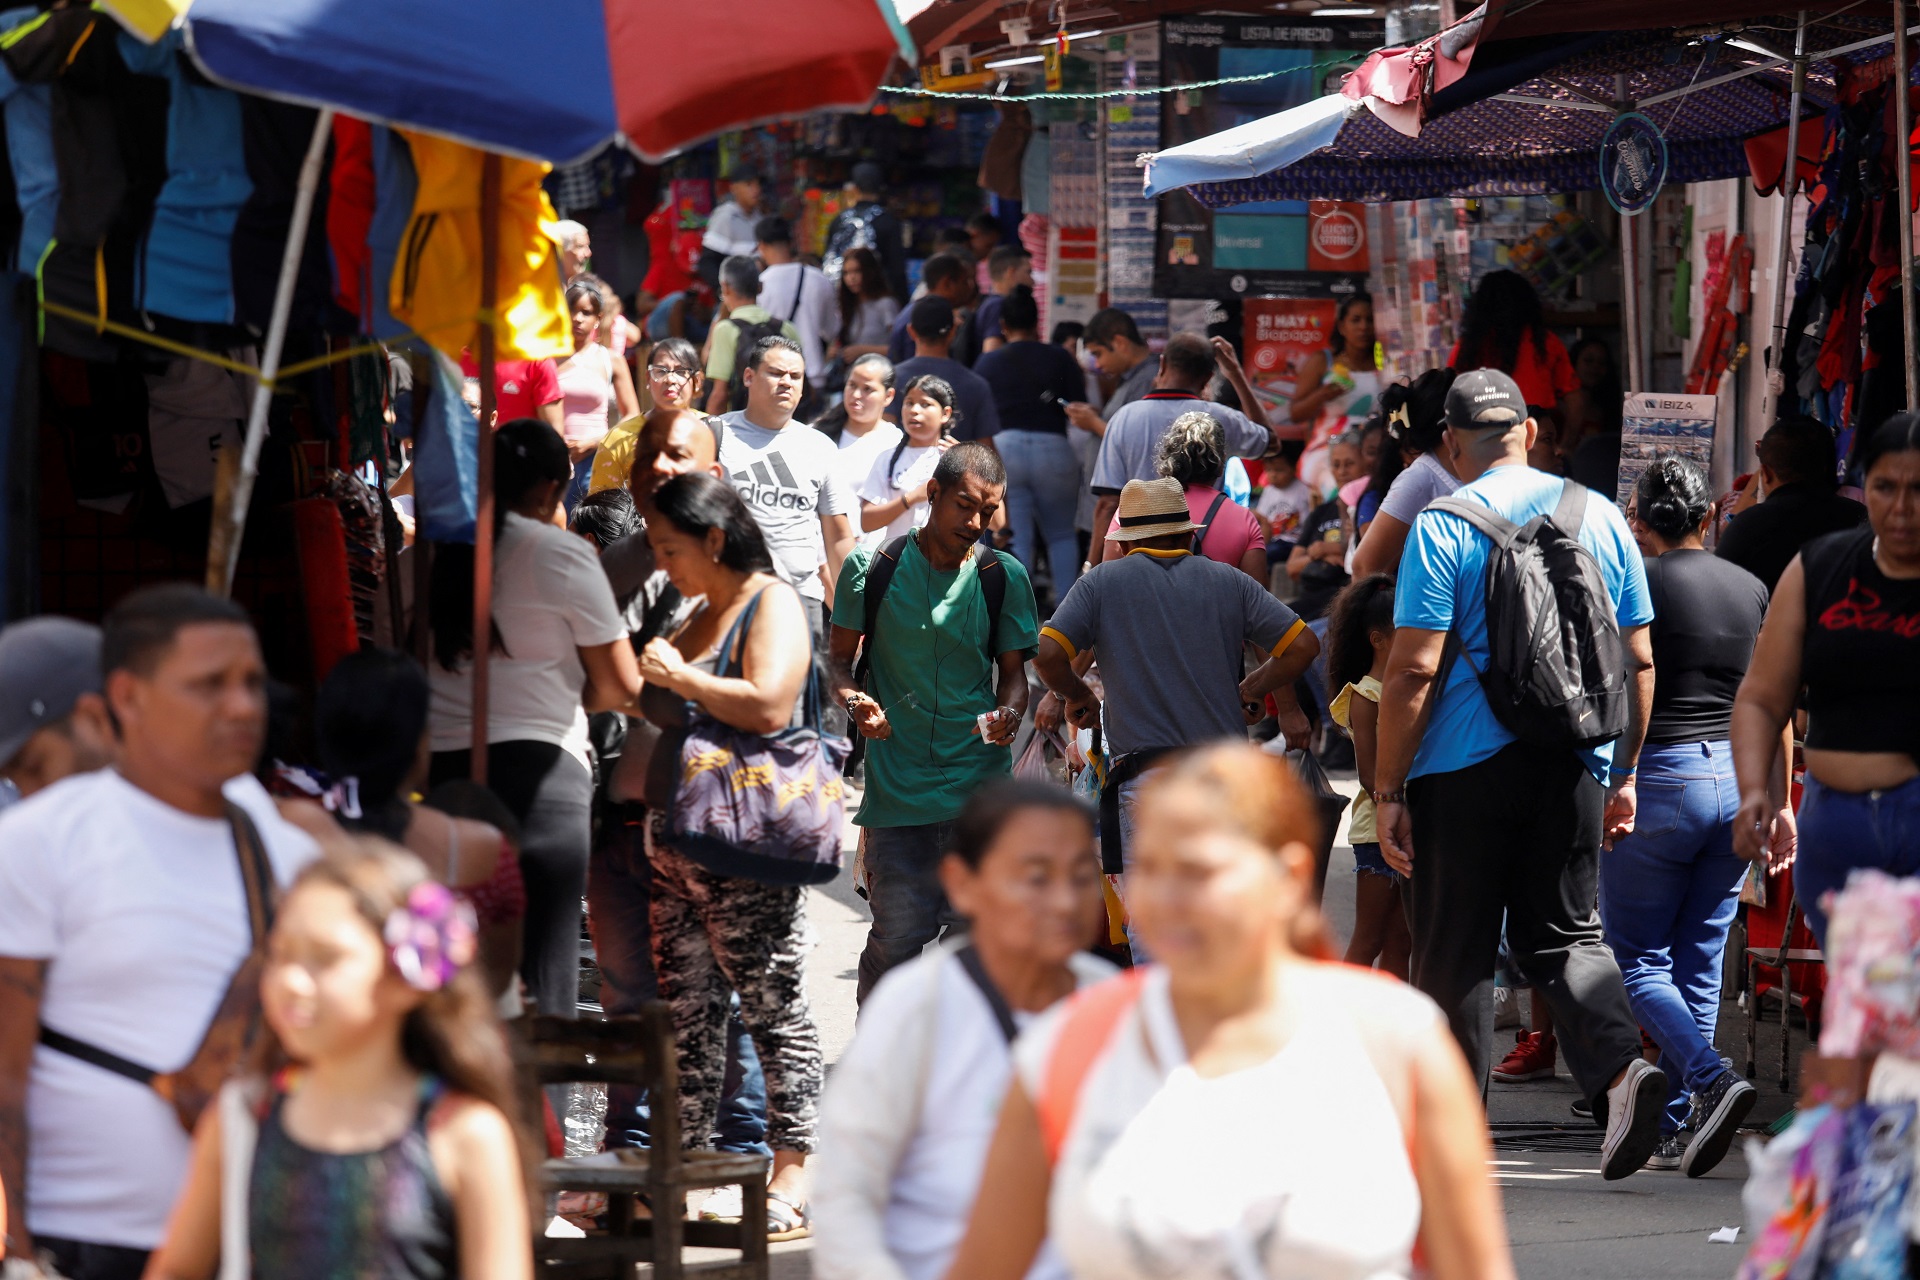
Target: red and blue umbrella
{"x":546,"y":79}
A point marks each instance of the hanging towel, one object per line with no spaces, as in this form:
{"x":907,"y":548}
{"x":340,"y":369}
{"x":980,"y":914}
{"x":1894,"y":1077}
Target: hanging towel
{"x":436,"y":285}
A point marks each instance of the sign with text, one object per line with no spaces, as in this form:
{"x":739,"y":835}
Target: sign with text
{"x":1280,"y":334}
{"x":1652,"y":423}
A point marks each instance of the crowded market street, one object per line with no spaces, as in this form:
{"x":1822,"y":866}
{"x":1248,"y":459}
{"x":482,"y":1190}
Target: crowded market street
{"x":959,"y":640}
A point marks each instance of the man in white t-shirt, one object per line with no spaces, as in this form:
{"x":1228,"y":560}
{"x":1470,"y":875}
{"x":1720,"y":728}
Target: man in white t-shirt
{"x":796,"y":292}
{"x":789,"y":475}
{"x":123,"y":918}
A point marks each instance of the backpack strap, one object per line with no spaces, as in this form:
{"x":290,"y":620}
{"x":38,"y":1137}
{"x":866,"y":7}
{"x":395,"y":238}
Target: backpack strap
{"x":993,"y":585}
{"x":1200,"y":534}
{"x":1482,"y":517}
{"x":1571,"y":511}
{"x":872,"y":592}
{"x":976,"y":969}
{"x":1087,"y":1025}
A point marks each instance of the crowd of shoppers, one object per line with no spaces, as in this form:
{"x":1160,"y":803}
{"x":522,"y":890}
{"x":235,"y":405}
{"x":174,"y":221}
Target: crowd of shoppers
{"x":830,"y":516}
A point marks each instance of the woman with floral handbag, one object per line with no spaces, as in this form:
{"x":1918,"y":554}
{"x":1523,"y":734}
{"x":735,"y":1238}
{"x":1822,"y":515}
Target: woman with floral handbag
{"x":746,"y":807}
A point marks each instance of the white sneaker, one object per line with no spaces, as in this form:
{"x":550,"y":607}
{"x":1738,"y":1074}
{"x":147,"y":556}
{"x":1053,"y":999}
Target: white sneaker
{"x":1633,"y":1119}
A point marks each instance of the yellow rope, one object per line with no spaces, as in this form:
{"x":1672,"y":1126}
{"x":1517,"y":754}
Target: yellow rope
{"x":100,"y":324}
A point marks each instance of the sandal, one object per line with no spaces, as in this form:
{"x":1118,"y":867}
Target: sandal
{"x":787,"y":1220}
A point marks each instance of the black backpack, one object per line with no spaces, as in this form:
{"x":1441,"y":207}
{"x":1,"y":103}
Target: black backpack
{"x":993,"y":583}
{"x":1556,"y":674}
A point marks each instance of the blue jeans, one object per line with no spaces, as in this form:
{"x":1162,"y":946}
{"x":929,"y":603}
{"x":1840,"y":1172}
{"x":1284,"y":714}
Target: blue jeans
{"x":1668,"y":892}
{"x":577,"y":488}
{"x":619,"y":897}
{"x":1043,"y":488}
{"x":910,"y":909}
{"x":1841,"y":831}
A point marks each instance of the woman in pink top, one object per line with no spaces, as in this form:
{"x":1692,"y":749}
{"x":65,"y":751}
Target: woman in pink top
{"x":1194,"y":452}
{"x":591,"y":380}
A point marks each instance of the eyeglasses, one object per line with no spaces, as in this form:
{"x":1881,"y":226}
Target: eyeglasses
{"x":671,"y":372}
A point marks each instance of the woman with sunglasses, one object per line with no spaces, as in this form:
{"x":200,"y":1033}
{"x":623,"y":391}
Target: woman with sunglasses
{"x":674,"y":381}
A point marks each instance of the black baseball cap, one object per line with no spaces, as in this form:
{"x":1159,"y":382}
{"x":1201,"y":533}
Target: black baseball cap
{"x":931,"y":317}
{"x":1484,"y":398}
{"x":46,"y":664}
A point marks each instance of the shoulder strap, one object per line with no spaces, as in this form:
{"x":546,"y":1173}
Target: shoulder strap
{"x":1200,"y":534}
{"x":993,"y":586}
{"x":1086,"y":1027}
{"x":256,"y":877}
{"x":969,"y":958}
{"x":1571,"y":511}
{"x":799,"y":292}
{"x":879,"y":578}
{"x":1484,"y":518}
{"x":730,"y":664}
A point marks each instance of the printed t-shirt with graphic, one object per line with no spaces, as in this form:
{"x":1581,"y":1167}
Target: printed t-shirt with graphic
{"x":141,"y":911}
{"x":724,"y":340}
{"x":790,"y":479}
{"x":1542,"y":381}
{"x":1233,"y":533}
{"x":930,"y":670}
{"x":1443,"y":585}
{"x":1128,"y":450}
{"x":550,"y":598}
{"x":1285,"y":507}
{"x":892,"y":475}
{"x":1169,"y":627}
{"x":520,"y":387}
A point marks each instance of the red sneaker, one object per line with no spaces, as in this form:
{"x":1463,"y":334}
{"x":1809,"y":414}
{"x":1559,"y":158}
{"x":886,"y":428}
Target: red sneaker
{"x":1531,"y":1058}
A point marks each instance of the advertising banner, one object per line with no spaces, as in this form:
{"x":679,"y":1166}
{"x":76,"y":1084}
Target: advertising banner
{"x":1652,"y":424}
{"x":1280,"y":334}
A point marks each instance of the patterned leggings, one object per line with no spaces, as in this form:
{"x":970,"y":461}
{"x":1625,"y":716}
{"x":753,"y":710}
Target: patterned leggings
{"x":714,"y":935}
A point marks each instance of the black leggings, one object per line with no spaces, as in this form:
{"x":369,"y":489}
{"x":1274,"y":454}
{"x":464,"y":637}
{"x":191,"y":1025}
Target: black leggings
{"x":551,"y":795}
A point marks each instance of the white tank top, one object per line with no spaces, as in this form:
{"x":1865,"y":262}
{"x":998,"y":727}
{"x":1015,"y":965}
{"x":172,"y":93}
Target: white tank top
{"x":1295,"y":1169}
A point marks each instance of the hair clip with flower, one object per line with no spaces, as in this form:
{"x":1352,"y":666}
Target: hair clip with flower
{"x":431,"y":936}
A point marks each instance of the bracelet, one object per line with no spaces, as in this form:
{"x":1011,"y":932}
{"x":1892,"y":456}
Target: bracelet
{"x":1390,"y":797}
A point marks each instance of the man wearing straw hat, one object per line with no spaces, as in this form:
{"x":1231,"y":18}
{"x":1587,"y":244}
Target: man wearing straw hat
{"x":1169,"y":628}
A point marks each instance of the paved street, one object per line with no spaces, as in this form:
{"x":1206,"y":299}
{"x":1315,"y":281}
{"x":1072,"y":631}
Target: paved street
{"x":1565,"y":1222}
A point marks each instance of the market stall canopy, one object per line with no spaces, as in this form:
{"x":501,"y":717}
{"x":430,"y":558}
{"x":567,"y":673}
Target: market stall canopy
{"x":1528,"y":118}
{"x":545,"y":79}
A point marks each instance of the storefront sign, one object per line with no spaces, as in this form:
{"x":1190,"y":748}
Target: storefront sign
{"x":1280,"y":334}
{"x":1289,"y":248}
{"x":1652,"y":424}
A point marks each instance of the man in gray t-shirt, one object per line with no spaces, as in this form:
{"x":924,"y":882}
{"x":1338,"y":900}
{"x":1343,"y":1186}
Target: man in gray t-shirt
{"x":1168,"y":627}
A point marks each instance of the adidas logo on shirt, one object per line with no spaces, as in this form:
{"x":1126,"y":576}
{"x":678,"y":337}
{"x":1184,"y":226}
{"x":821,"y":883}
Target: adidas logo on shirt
{"x":768,"y":483}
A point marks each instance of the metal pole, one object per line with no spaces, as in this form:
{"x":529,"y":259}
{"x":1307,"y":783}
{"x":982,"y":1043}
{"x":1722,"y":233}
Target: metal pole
{"x":223,"y":548}
{"x":1903,"y":122}
{"x":1631,"y":336}
{"x":483,"y":514}
{"x":1789,"y":179}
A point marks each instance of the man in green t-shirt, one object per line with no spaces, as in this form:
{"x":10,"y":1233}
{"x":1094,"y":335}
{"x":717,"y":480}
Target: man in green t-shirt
{"x":933,"y":672}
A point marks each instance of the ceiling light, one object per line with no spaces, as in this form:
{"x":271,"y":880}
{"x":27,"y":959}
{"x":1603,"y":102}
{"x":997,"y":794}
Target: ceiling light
{"x":1751,"y":47}
{"x":1016,"y":62}
{"x":1084,"y":35}
{"x":1343,"y":13}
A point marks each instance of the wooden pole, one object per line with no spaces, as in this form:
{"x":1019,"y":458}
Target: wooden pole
{"x":483,"y":508}
{"x":1789,"y":176}
{"x":1903,"y":162}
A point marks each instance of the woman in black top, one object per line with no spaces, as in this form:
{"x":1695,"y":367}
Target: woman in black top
{"x":1669,"y":890}
{"x":1033,"y":383}
{"x":1845,"y":625}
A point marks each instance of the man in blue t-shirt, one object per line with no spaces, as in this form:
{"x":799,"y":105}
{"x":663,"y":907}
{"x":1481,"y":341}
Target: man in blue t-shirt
{"x":1487,"y":824}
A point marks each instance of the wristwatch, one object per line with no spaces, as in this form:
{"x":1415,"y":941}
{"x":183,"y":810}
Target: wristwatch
{"x":1390,"y":797}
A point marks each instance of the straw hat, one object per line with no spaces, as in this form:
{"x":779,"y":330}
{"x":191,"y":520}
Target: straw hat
{"x":1152,"y":509}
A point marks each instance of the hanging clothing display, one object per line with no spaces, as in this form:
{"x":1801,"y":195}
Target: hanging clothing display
{"x":276,"y":135}
{"x":350,"y":213}
{"x":36,"y":178}
{"x":436,"y":289}
{"x":193,"y":409}
{"x":185,"y":268}
{"x":394,"y":187}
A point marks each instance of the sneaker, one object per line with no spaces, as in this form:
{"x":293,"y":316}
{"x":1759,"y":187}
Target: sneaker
{"x":1667,"y":1154}
{"x":1718,"y":1111}
{"x":1582,"y":1108}
{"x":1634,"y":1107}
{"x":1532,"y":1058}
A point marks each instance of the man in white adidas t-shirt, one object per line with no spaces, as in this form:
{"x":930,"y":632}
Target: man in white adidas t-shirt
{"x":122,"y":919}
{"x":789,"y":475}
